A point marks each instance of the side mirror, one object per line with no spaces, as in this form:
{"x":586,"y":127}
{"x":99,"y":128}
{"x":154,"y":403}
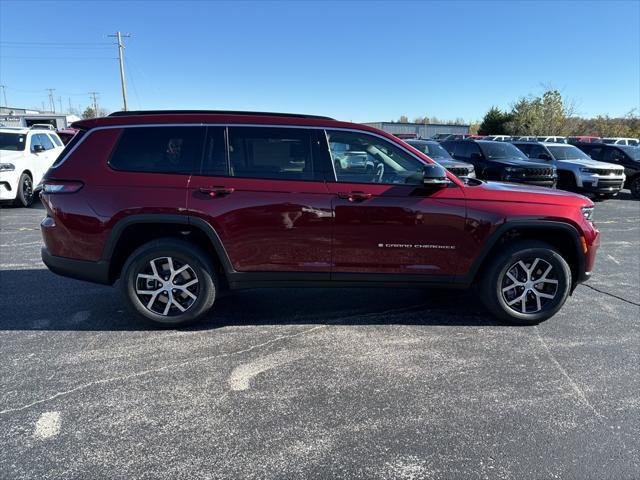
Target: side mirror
{"x":38,"y":148}
{"x":435,"y":176}
{"x":544,"y":156}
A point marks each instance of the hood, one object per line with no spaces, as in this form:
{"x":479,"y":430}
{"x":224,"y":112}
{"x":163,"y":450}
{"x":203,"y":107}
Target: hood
{"x":11,"y":156}
{"x":450,"y":163}
{"x":516,"y":192}
{"x":587,"y":162}
{"x":516,"y":162}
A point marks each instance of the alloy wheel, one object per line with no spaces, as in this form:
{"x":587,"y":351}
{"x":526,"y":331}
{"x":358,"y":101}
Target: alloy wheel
{"x":166,"y":286}
{"x":529,"y":286}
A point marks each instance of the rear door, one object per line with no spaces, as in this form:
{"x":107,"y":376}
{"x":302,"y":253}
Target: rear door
{"x":385,"y":222}
{"x":263,"y":191}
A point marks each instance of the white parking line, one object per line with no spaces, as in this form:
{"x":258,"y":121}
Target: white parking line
{"x":47,"y":426}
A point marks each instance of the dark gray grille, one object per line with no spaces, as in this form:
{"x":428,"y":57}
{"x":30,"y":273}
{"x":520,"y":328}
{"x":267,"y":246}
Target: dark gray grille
{"x":538,"y":172}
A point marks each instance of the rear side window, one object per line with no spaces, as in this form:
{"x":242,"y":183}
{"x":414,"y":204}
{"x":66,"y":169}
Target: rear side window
{"x":215,"y":158}
{"x":158,"y":149}
{"x":56,"y":140}
{"x":273,"y":153}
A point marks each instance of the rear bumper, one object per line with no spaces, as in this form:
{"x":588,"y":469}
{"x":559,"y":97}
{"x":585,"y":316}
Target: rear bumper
{"x":96,"y":272}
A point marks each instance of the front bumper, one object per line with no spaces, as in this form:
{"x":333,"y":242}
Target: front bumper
{"x":600,"y":184}
{"x":95,"y":272}
{"x":9,"y":185}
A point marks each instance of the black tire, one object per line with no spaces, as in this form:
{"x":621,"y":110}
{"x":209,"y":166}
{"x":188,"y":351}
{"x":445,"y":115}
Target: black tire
{"x":495,"y":278}
{"x":182,"y":253}
{"x":25,"y":195}
{"x":634,"y":187}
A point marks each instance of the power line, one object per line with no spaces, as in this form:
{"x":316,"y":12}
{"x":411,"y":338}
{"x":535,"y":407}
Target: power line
{"x":119,"y":36}
{"x":55,"y":43}
{"x":94,"y":97}
{"x":52,"y":103}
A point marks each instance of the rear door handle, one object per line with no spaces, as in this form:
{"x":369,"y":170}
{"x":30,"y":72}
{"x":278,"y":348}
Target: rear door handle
{"x":355,"y":196}
{"x":216,"y":191}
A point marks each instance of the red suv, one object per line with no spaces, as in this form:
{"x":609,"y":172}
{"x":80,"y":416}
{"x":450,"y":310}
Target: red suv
{"x":180,"y":205}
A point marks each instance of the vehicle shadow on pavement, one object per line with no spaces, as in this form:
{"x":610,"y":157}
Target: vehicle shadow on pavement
{"x":41,"y":300}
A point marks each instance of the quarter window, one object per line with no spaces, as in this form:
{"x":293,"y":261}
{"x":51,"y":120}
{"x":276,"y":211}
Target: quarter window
{"x":158,"y":149}
{"x":361,"y":158}
{"x":273,"y":153}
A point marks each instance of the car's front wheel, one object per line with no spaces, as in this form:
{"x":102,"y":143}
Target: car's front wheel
{"x":169,"y":281}
{"x":526,"y":283}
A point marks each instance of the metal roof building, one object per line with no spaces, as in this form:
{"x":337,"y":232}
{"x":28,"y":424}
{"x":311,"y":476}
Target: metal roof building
{"x":23,"y":117}
{"x":420,"y":130}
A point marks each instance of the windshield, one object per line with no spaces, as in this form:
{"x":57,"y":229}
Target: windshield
{"x":12,"y":141}
{"x":633,"y":152}
{"x":433,"y":150}
{"x":501,"y":150}
{"x":567,"y":153}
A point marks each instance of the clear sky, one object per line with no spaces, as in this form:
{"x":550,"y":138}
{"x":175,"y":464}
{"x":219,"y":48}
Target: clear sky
{"x":359,"y":61}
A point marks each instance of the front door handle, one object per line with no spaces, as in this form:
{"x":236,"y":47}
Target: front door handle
{"x":355,"y":196}
{"x":216,"y":191}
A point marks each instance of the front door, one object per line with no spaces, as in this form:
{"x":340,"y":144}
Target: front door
{"x":385,"y":221}
{"x":266,"y":198}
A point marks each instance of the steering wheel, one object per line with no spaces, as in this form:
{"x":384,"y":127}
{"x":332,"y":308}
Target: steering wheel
{"x":379,"y":173}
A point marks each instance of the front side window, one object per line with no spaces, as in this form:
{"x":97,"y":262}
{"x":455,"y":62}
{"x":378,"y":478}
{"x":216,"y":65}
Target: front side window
{"x":632,"y":152}
{"x":158,"y":149}
{"x":12,"y":141}
{"x":45,"y":141}
{"x":362,"y":158}
{"x":271,"y":153}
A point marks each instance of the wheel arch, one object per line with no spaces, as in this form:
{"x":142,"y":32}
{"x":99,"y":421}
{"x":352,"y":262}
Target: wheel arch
{"x":133,"y":231}
{"x":562,"y":236}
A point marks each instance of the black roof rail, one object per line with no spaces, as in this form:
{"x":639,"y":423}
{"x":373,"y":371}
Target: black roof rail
{"x":219,"y":112}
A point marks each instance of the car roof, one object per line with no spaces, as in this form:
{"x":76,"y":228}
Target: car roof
{"x":160,"y":117}
{"x":14,"y":129}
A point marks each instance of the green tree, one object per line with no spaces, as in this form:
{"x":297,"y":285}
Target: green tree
{"x":403,"y":119}
{"x":494,"y":122}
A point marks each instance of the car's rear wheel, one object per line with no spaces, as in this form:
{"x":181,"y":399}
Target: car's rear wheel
{"x":25,"y":195}
{"x":169,"y":281}
{"x":526,"y":283}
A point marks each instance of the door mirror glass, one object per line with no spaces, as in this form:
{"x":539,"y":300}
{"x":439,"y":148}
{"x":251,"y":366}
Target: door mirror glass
{"x":38,"y":148}
{"x":434,"y":176}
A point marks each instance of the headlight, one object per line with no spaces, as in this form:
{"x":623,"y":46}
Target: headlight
{"x":587,"y":212}
{"x":7,"y":167}
{"x":588,"y":170}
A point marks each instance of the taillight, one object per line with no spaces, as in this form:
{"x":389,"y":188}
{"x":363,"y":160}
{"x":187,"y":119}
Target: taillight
{"x":61,"y":186}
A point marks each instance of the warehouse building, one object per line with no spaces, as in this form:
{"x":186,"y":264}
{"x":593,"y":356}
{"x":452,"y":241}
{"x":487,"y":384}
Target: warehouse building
{"x":23,"y":117}
{"x":418,"y":130}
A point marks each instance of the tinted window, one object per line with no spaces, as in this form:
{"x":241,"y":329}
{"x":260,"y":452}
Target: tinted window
{"x":12,"y":141}
{"x":215,"y":159}
{"x":595,"y":153}
{"x":358,"y":157}
{"x":56,"y":140}
{"x":633,"y":152}
{"x":276,"y":153}
{"x":613,"y":155}
{"x":158,"y":149}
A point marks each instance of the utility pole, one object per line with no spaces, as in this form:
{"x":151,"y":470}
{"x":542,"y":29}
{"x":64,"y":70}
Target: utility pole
{"x":4,"y":94}
{"x":70,"y":108}
{"x":119,"y":36}
{"x":94,"y":96}
{"x":60,"y":103}
{"x":52,"y":103}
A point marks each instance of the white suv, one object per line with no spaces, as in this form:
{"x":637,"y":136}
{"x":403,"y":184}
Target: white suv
{"x":25,"y":155}
{"x":634,"y":142}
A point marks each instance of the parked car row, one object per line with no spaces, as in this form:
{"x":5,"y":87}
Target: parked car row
{"x":589,"y":168}
{"x":634,"y":142}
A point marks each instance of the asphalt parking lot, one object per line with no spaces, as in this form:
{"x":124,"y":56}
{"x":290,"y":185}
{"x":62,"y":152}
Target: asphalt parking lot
{"x":319,"y":383}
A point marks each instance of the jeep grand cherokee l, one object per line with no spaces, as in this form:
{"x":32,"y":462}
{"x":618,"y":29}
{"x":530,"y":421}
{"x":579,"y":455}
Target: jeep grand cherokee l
{"x":502,"y":161}
{"x":576,"y":171}
{"x":181,"y":205}
{"x":626,"y":156}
